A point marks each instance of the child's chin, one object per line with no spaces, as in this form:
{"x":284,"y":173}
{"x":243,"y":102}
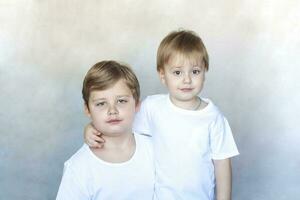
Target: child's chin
{"x":114,"y":134}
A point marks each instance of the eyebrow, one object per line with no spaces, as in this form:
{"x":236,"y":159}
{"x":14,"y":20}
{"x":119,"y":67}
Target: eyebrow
{"x":176,"y":67}
{"x":118,"y":96}
{"x":98,"y":99}
{"x":179,"y":67}
{"x":125,"y":95}
{"x":199,"y":66}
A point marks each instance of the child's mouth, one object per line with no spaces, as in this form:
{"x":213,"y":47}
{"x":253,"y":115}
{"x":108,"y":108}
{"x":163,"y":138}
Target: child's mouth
{"x":114,"y":121}
{"x":186,"y":89}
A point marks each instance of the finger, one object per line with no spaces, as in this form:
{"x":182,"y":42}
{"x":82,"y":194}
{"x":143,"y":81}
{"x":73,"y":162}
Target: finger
{"x":97,"y":139}
{"x":95,"y":132}
{"x":99,"y":145}
{"x":93,"y":139}
{"x":94,"y":144}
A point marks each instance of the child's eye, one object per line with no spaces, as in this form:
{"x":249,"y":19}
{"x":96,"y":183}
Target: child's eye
{"x":100,"y":104}
{"x":122,"y":101}
{"x":196,"y":71}
{"x":177,"y":72}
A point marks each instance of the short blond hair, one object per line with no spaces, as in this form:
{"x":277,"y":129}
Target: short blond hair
{"x":105,"y":74}
{"x":183,"y":42}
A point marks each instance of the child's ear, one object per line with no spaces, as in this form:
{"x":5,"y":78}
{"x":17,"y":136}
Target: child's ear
{"x":138,"y":106}
{"x":87,"y":110}
{"x":161,"y":74}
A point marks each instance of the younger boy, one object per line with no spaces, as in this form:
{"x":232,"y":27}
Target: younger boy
{"x":123,"y":169}
{"x":192,"y":139}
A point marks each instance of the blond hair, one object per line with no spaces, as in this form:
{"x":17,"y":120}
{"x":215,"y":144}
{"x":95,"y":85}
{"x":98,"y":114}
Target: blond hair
{"x":105,"y":74}
{"x":183,"y":42}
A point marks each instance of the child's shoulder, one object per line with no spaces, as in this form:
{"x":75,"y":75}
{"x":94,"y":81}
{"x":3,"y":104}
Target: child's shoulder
{"x":215,"y":114}
{"x":145,"y":143}
{"x":154,"y":103}
{"x":211,"y":108}
{"x":156,"y":97}
{"x":80,"y":157}
{"x":143,"y":138}
{"x":80,"y":166}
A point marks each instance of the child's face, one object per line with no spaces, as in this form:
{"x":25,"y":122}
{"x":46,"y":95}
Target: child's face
{"x":112,"y":110}
{"x":183,"y":78}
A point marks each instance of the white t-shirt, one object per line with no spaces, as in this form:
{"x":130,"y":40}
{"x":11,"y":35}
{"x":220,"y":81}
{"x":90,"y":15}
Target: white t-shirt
{"x":185,"y":142}
{"x":87,"y":177}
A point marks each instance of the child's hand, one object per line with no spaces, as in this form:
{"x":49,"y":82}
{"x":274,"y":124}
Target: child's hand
{"x":92,"y":137}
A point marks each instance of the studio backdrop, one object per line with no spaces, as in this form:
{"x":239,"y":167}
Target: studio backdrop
{"x":46,"y":48}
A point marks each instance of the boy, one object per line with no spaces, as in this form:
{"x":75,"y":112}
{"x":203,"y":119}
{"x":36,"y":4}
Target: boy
{"x":192,"y":140}
{"x":123,"y":169}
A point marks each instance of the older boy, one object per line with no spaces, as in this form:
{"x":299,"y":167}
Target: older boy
{"x":123,"y":169}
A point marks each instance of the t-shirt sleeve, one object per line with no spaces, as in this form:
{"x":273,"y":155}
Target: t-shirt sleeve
{"x":70,"y":186}
{"x":142,"y":119}
{"x":221,"y":139}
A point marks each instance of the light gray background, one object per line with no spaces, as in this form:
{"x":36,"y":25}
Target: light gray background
{"x":46,"y":47}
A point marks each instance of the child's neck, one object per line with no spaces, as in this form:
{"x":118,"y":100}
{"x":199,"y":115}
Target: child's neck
{"x":118,"y":141}
{"x":116,"y":149}
{"x":192,"y":104}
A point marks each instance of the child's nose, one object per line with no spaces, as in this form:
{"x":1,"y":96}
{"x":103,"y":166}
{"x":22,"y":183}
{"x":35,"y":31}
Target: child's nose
{"x":187,"y":78}
{"x":112,"y":110}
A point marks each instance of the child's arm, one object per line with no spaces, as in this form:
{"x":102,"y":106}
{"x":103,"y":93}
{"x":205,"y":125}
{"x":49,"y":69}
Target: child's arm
{"x":223,"y":179}
{"x":92,"y":137}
